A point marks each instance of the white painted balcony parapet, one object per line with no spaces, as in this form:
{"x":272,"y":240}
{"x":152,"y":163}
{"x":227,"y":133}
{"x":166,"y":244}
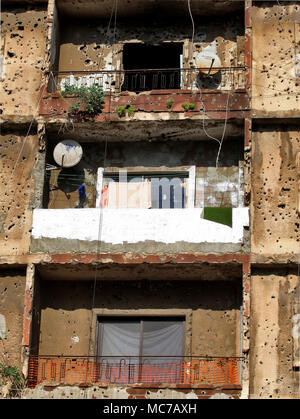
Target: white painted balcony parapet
{"x":117,"y":226}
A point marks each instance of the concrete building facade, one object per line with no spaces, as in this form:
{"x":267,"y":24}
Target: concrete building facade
{"x":175,"y":275}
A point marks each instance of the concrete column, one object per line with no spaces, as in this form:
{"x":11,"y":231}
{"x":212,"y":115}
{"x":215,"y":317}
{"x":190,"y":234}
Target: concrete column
{"x":27,"y":317}
{"x":245,"y":341}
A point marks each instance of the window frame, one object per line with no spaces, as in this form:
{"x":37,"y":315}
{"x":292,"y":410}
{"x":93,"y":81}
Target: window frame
{"x":190,"y":171}
{"x":185,"y":315}
{"x":180,"y":45}
{"x":141,"y":318}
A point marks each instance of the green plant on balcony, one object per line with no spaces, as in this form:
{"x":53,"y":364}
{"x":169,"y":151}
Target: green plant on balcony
{"x":170,"y":103}
{"x":91,"y":99}
{"x":122,"y":110}
{"x":188,"y":106}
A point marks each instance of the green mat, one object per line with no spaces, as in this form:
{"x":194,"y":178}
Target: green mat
{"x":222,"y":215}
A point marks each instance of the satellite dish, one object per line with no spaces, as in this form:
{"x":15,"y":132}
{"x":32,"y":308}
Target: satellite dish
{"x":207,"y":60}
{"x":67,"y":153}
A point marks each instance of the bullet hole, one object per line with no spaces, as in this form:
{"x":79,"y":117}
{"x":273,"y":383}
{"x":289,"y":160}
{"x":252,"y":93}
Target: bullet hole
{"x":10,"y":54}
{"x":13,"y":35}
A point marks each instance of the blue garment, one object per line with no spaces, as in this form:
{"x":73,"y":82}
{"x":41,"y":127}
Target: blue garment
{"x":81,"y":190}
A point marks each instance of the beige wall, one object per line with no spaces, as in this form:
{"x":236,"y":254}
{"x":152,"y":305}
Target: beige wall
{"x":274,"y":218}
{"x":90,"y":47}
{"x":18,"y":152}
{"x":23,"y":43}
{"x":271,"y":344}
{"x":211,"y":308}
{"x":276,"y":41}
{"x":12,"y":289}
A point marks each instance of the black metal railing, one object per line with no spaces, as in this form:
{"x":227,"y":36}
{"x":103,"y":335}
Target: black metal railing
{"x":223,"y":78}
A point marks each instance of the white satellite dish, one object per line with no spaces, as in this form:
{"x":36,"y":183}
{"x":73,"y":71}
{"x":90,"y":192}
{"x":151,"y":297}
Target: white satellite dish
{"x":207,"y":60}
{"x":67,"y":153}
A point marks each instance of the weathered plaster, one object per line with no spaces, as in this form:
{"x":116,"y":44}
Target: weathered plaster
{"x":57,"y":391}
{"x":12,"y":291}
{"x":211,"y":329}
{"x":271,"y":345}
{"x":23,"y":48}
{"x":179,"y":227}
{"x":275,"y":87}
{"x":18,"y":152}
{"x":274,"y":218}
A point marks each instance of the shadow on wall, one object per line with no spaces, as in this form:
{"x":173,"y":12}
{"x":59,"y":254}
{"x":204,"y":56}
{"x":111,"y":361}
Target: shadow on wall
{"x":207,"y":295}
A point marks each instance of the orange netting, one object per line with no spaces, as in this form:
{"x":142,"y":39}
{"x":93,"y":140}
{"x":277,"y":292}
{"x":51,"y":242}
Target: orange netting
{"x":123,"y":372}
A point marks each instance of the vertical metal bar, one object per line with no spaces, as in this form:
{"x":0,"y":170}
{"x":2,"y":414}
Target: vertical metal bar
{"x":241,"y":344}
{"x":140,"y":362}
{"x":142,"y":81}
{"x":154,"y":81}
{"x":180,"y":72}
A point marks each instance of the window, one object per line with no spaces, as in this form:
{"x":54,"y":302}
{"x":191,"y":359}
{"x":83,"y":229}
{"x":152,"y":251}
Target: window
{"x":120,"y":188}
{"x":140,"y":349}
{"x":145,"y":191}
{"x":165,"y":59}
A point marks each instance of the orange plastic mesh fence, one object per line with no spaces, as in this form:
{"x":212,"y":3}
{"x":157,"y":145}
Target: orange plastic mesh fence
{"x":124,"y":371}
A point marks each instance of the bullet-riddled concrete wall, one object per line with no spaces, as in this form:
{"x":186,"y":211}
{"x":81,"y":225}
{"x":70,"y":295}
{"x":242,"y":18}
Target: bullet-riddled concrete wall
{"x":212,"y":320}
{"x":12,"y":290}
{"x":91,"y":45}
{"x":23,"y":41}
{"x":271,"y":345}
{"x":18,"y":153}
{"x":274,"y":217}
{"x":276,"y":58}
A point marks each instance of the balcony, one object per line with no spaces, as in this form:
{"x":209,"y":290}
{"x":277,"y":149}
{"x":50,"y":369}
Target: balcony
{"x":159,"y":91}
{"x":76,"y":370}
{"x":141,"y":230}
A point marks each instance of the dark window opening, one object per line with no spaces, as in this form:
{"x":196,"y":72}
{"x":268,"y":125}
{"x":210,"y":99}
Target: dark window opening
{"x":137,"y":349}
{"x":160,"y":62}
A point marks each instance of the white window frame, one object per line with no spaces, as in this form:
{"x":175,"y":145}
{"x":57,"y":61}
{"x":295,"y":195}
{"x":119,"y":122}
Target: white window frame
{"x":191,"y":170}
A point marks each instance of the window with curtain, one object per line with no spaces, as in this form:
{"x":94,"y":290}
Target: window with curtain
{"x":145,"y":191}
{"x":141,"y":350}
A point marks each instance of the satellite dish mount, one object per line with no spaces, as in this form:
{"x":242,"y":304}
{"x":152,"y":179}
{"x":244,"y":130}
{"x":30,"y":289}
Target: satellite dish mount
{"x":67,"y":153}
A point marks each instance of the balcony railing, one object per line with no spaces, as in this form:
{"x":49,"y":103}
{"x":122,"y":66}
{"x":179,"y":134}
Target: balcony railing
{"x":133,"y":370}
{"x":225,"y":78}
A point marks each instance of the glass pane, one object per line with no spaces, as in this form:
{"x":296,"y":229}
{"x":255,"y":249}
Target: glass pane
{"x":119,"y":351}
{"x":168,"y":192}
{"x":162,"y":351}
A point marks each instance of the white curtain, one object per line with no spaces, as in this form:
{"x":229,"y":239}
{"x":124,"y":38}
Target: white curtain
{"x":125,"y":359}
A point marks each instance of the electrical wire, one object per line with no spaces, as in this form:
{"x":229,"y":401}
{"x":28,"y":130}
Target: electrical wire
{"x":193,"y":24}
{"x":100,"y":206}
{"x":204,"y":114}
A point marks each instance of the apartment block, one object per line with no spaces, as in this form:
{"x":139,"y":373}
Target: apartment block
{"x":149,"y":218}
